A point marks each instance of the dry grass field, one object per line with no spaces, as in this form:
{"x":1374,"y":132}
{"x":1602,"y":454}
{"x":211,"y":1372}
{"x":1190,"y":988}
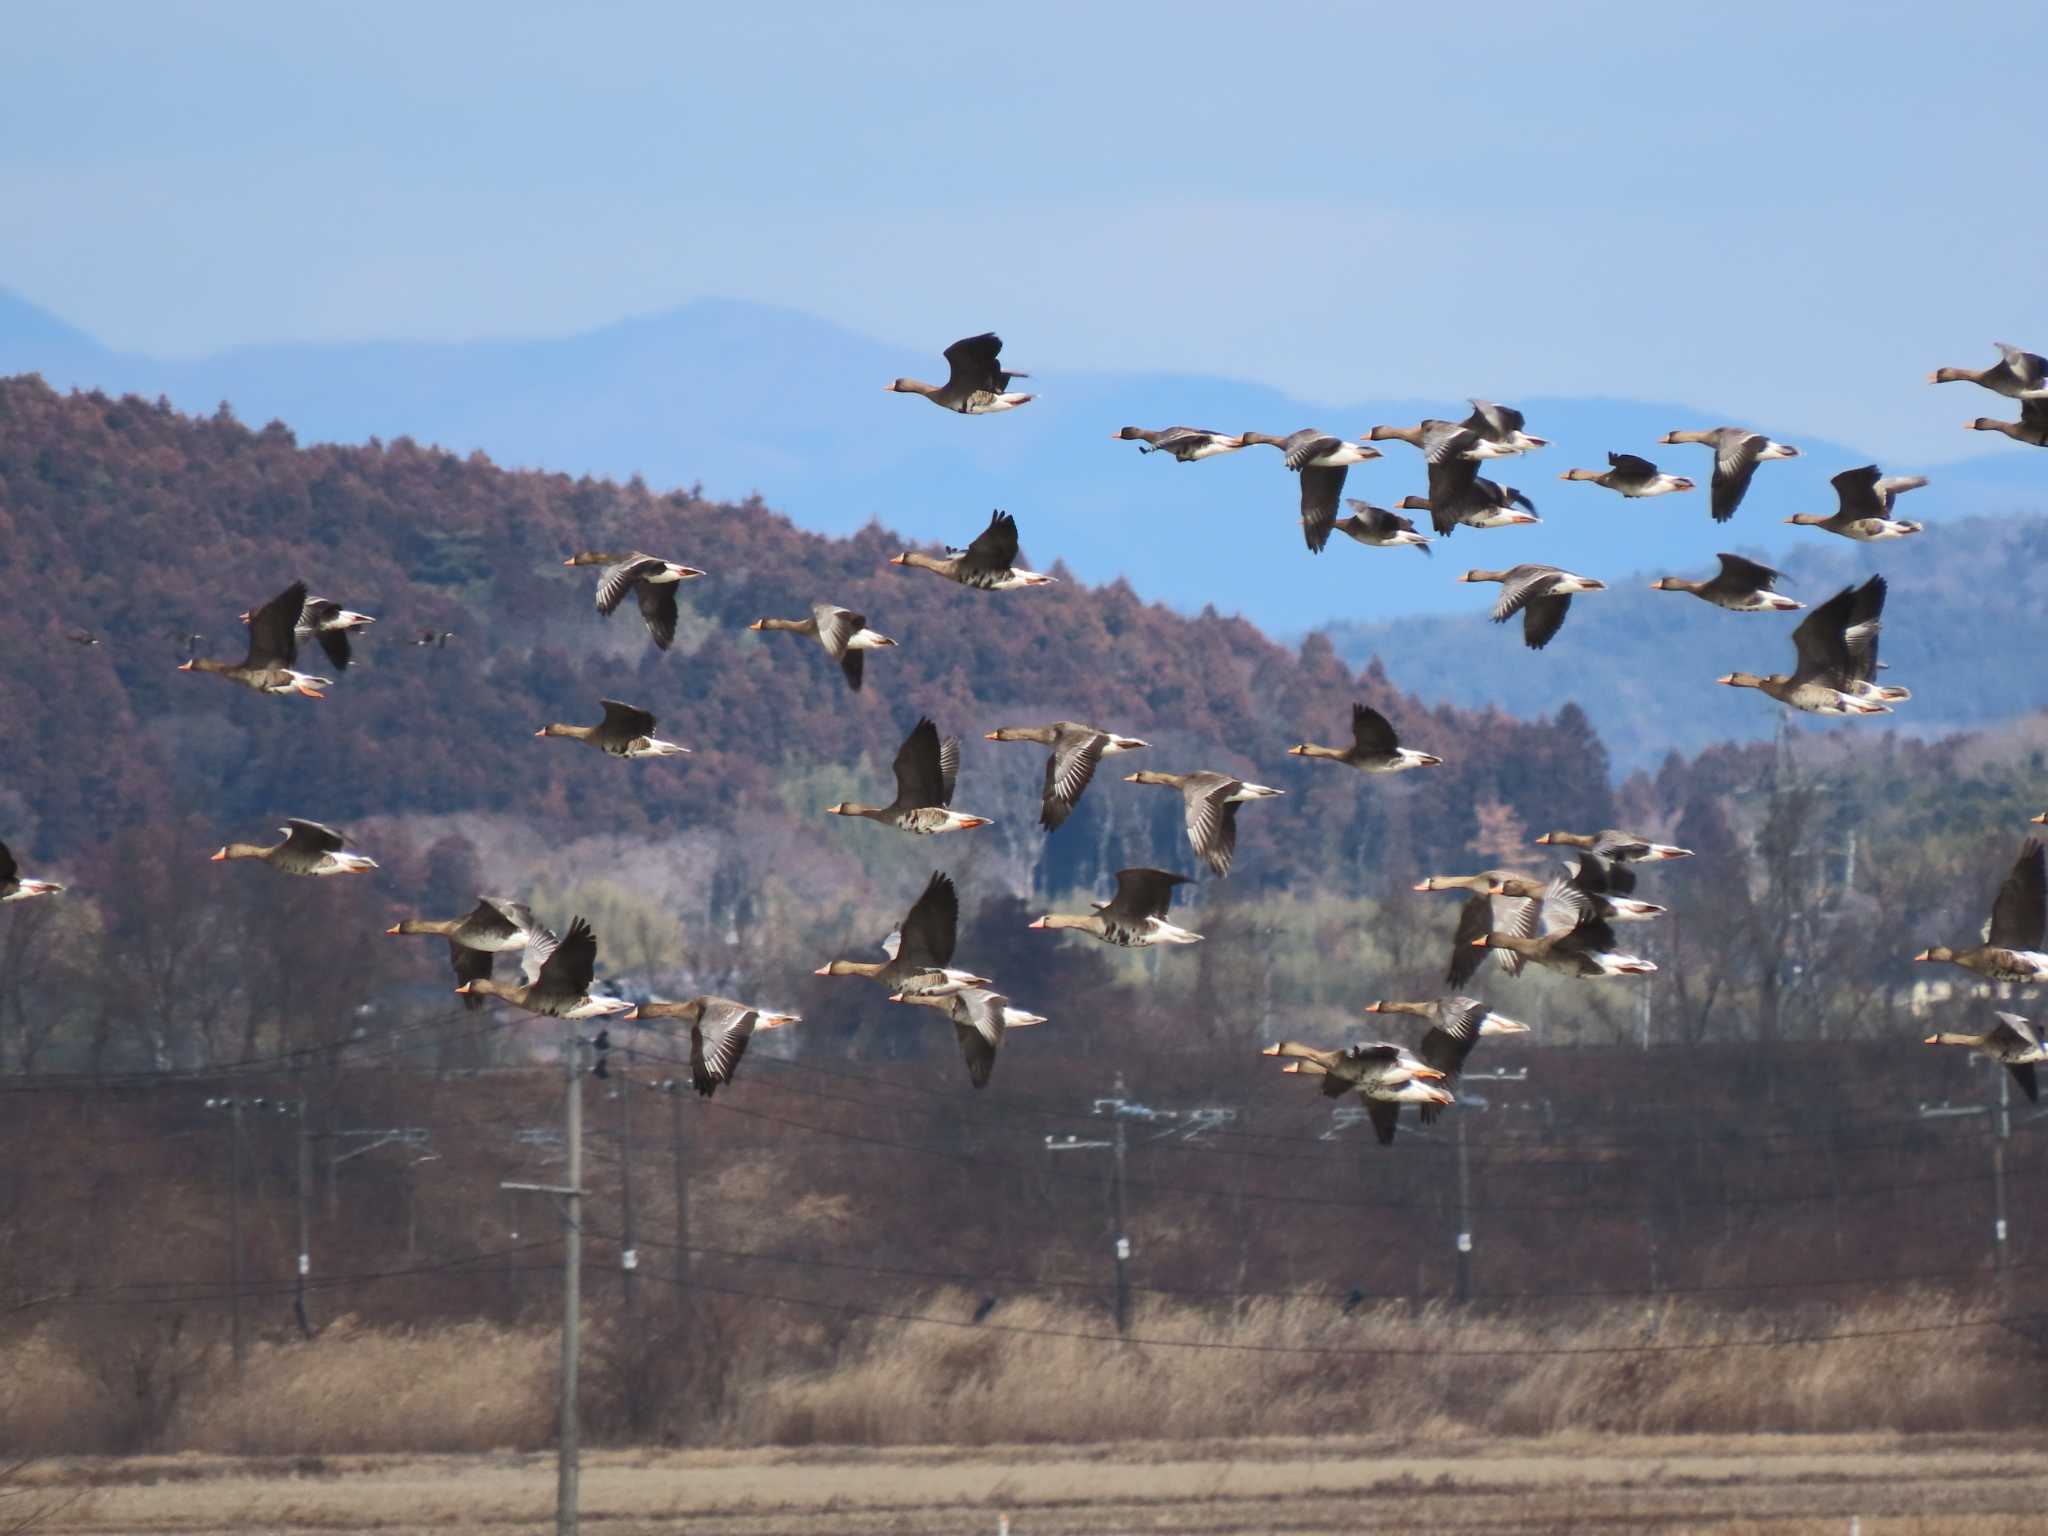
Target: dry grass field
{"x":1785,"y":1485}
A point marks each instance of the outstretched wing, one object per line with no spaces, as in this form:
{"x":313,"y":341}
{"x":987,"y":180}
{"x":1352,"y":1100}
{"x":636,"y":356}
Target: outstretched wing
{"x":1735,"y":461}
{"x":1632,"y":466}
{"x":1475,"y":921}
{"x":1212,"y":823}
{"x":311,"y":838}
{"x":1748,"y":574}
{"x":1142,"y":894}
{"x":717,"y":1042}
{"x":617,"y":580}
{"x":658,"y":611}
{"x":335,"y":643}
{"x":1856,"y":491}
{"x":928,"y":933}
{"x":569,"y":970}
{"x":995,"y":547}
{"x":1822,"y":639}
{"x":1320,"y":490}
{"x":273,"y":628}
{"x":1371,"y":731}
{"x":1542,"y":618}
{"x":2021,"y":910}
{"x":1067,"y":773}
{"x":920,"y":780}
{"x":9,"y":870}
{"x":623,"y":722}
{"x":973,"y":361}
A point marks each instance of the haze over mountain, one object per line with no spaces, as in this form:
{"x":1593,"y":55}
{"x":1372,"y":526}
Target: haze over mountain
{"x":741,"y":398}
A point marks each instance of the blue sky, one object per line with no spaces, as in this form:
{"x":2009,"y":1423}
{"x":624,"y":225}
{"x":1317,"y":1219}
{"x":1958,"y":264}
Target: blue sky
{"x":1785,"y":213}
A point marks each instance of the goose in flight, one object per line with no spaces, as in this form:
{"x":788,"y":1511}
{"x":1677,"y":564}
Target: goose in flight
{"x":625,"y":731}
{"x":926,"y":769}
{"x":326,"y":623}
{"x":1837,"y":650}
{"x":1211,"y":801}
{"x":558,"y":976}
{"x":1740,"y":586}
{"x":308,"y":849}
{"x":1378,"y":528}
{"x":1076,"y":749}
{"x":989,"y":564}
{"x":980,"y":1020}
{"x":1375,"y":748}
{"x":1186,"y":444}
{"x":1456,"y":1025}
{"x":1135,"y":917}
{"x":1542,"y":594}
{"x":494,"y":926}
{"x":2014,"y":938}
{"x":1564,"y":934}
{"x":273,"y":647}
{"x":1632,"y":476}
{"x":976,"y":383}
{"x":1737,"y":452}
{"x":920,"y":952}
{"x":1383,"y":1074}
{"x":2017,"y":375}
{"x":719,"y":1031}
{"x":843,"y":633}
{"x":1615,"y":845}
{"x":651,"y":580}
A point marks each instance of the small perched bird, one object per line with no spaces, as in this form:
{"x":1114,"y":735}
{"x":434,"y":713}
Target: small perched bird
{"x":921,"y":951}
{"x":308,"y":849}
{"x":1620,"y":847}
{"x":1864,"y":510}
{"x":2017,"y":375}
{"x":273,"y":647}
{"x":976,"y":384}
{"x":843,"y":633}
{"x":558,"y":978}
{"x":1211,"y":801}
{"x":495,"y":926}
{"x":625,"y":731}
{"x":1542,"y":594}
{"x":980,"y":1020}
{"x":926,"y":769}
{"x":2013,"y":1043}
{"x":1564,"y":934}
{"x":1135,"y":917}
{"x":989,"y":564}
{"x":1383,"y":1074}
{"x":1379,"y":528}
{"x":719,"y":1031}
{"x":651,"y":580}
{"x":1741,"y":586}
{"x":2014,"y":938}
{"x":1322,"y":461}
{"x":1631,"y":476}
{"x":1186,"y":444}
{"x":1374,"y":746}
{"x":1076,"y":749}
{"x":1837,"y":649}
{"x":15,"y":886}
{"x":1737,"y":452}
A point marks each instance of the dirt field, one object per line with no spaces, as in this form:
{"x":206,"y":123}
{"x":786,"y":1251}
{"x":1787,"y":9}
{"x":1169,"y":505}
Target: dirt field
{"x":1777,"y":1484}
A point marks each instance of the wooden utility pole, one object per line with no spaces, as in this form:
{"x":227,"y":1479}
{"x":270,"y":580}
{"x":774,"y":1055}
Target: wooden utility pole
{"x":302,"y":1189}
{"x":1122,"y":1232}
{"x":235,"y":1340}
{"x":629,"y":1256}
{"x":677,"y":1162}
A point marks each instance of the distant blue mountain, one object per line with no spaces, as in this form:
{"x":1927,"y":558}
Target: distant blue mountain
{"x":741,"y":398}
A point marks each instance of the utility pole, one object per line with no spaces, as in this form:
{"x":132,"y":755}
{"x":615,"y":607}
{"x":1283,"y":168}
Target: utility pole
{"x":235,"y":1230}
{"x":302,"y":1191}
{"x":1462,"y":1289}
{"x":680,"y":1262}
{"x":2000,"y":1128}
{"x":568,"y":1450}
{"x":629,"y":1256}
{"x":1122,"y":1110}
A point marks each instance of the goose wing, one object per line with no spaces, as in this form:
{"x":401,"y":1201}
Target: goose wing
{"x":1856,"y":492}
{"x":310,"y":839}
{"x":1371,"y":731}
{"x":1212,"y":818}
{"x":1746,"y":575}
{"x":1452,"y":476}
{"x":273,"y":628}
{"x":9,"y":870}
{"x":1496,"y":421}
{"x":1320,"y":490}
{"x":540,"y":943}
{"x":717,"y":1042}
{"x":836,"y":626}
{"x":1543,"y":618}
{"x":335,"y":643}
{"x":623,"y":722}
{"x":1631,"y":466}
{"x":1821,"y":639}
{"x":1309,"y":443}
{"x":1067,"y":773}
{"x":978,"y":1024}
{"x":995,"y":548}
{"x":2020,"y":913}
{"x":1142,"y":894}
{"x":1859,"y":636}
{"x":1475,"y":921}
{"x":569,"y":969}
{"x":1385,"y":1116}
{"x":928,"y":934}
{"x":974,"y":364}
{"x":1520,"y":585}
{"x":2014,"y":1033}
{"x":949,"y":768}
{"x":495,"y":921}
{"x":920,"y":771}
{"x":658,"y":611}
{"x":615,"y":581}
{"x":1735,"y":461}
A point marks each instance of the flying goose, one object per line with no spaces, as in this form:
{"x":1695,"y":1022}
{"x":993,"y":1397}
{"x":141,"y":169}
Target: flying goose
{"x":1616,"y":846}
{"x":2013,"y":1043}
{"x":989,"y":564}
{"x":920,"y":953}
{"x":1135,"y":917}
{"x":719,"y":1031}
{"x":438,"y":638}
{"x":1501,"y":425}
{"x":843,"y":633}
{"x":327,"y":624}
{"x":1452,"y":453}
{"x":1379,"y":528}
{"x":1865,"y":506}
{"x":652,"y":582}
{"x":558,"y":975}
{"x":1631,"y":476}
{"x":1487,"y":504}
{"x":14,"y":886}
{"x":1563,"y":934}
{"x":926,"y":769}
{"x":1740,"y":586}
{"x":273,"y":647}
{"x":2032,"y":427}
{"x":1385,"y":1075}
{"x":1480,"y":915}
{"x":1374,"y":746}
{"x":976,"y":383}
{"x":1076,"y":749}
{"x":1211,"y":800}
{"x":83,"y":637}
{"x":1837,"y":649}
{"x":495,"y":926}
{"x":1322,"y":462}
{"x":1542,"y":594}
{"x":980,"y":1020}
{"x":625,"y":731}
{"x":2017,"y":375}
{"x":1457,"y":1024}
{"x":308,"y":849}
{"x":2013,"y":940}
{"x":1187,"y":444}
{"x":1605,"y":886}
{"x":1737,"y":452}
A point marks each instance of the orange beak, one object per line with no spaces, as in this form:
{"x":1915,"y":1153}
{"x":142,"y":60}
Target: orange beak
{"x":184,"y":666}
{"x":464,"y":988}
{"x":1479,"y":943}
{"x":392,"y":929}
{"x":218,"y":856}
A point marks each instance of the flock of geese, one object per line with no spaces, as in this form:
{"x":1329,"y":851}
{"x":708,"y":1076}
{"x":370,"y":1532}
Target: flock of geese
{"x":1564,"y":922}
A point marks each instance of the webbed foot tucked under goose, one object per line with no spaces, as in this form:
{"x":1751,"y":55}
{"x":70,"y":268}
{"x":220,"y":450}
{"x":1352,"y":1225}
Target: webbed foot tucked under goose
{"x":926,"y":769}
{"x":651,"y":580}
{"x":1211,"y":801}
{"x":1076,"y":749}
{"x":976,"y":382}
{"x":308,"y":849}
